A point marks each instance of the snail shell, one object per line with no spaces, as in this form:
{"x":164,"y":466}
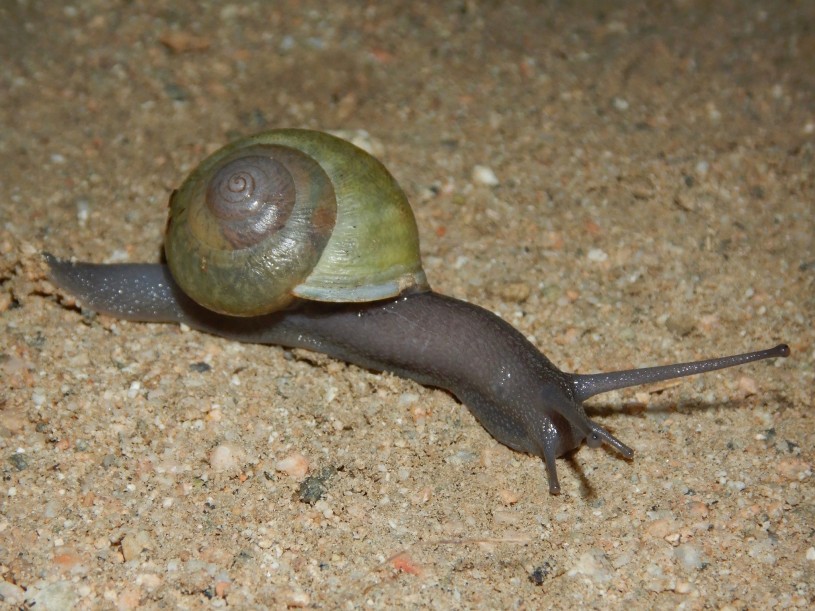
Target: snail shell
{"x":291,"y":213}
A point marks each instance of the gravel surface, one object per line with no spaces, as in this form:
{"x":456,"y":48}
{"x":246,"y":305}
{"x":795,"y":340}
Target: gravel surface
{"x":628,"y":183}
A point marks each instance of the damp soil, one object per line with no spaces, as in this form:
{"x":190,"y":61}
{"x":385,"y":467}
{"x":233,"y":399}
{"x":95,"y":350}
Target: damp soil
{"x":627,"y":183}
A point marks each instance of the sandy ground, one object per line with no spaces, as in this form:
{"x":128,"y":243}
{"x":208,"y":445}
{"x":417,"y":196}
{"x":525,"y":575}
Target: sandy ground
{"x":655,"y":204}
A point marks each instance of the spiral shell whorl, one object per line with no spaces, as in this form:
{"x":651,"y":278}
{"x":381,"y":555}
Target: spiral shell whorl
{"x":252,"y":197}
{"x":286,"y":214}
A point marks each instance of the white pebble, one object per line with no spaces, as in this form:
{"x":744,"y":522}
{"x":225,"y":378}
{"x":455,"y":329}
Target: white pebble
{"x":713,"y":113}
{"x":763,"y":551}
{"x":483,"y":175}
{"x":408,"y":398}
{"x":223,"y":458}
{"x":811,"y":553}
{"x":297,"y":598}
{"x":12,"y":594}
{"x":688,"y":556}
{"x":52,"y":596}
{"x":597,"y":255}
{"x":737,"y":485}
{"x":362,"y":139}
{"x":461,"y":261}
{"x":287,"y":44}
{"x":133,"y":391}
{"x":120,"y":255}
{"x":295,"y":465}
{"x":134,"y":543}
{"x":83,"y":211}
{"x":621,"y":104}
{"x":593,"y":565}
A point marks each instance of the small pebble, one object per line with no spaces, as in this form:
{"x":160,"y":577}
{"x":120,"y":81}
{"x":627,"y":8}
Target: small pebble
{"x":516,"y":292}
{"x":683,"y":587}
{"x":11,"y":594}
{"x":508,"y":497}
{"x":681,"y":324}
{"x":622,"y":560}
{"x":120,"y":255}
{"x":748,"y":386}
{"x":224,"y":457}
{"x":362,"y":139}
{"x":83,"y":211}
{"x":596,"y":255}
{"x":688,"y":556}
{"x":660,"y":528}
{"x":793,"y":469}
{"x":592,"y":565}
{"x":133,"y":391}
{"x":134,"y":543}
{"x":462,"y":457}
{"x":287,"y":43}
{"x":183,"y":42}
{"x":505,"y":517}
{"x":659,"y":582}
{"x":296,"y":598}
{"x":313,"y":488}
{"x":222,"y":588}
{"x":55,"y":596}
{"x":19,"y":461}
{"x":408,"y":398}
{"x":621,"y":104}
{"x":763,"y":551}
{"x":149,"y":581}
{"x":130,"y":598}
{"x":294,"y":465}
{"x":482,"y":175}
{"x":698,"y":509}
{"x":68,"y":560}
{"x":422,"y":496}
{"x":540,"y":573}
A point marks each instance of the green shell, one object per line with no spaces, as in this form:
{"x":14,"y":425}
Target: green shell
{"x":349,"y":237}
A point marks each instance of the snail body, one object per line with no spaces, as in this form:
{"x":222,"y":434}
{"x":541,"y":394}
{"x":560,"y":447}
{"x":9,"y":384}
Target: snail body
{"x":357,"y":293}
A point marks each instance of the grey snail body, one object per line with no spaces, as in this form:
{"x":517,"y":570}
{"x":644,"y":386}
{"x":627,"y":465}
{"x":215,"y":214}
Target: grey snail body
{"x":368,"y":304}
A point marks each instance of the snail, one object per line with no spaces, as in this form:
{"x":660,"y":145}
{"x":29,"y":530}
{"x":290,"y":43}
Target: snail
{"x":301,"y":239}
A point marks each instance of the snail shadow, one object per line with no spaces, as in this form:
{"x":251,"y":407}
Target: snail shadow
{"x":587,"y":491}
{"x":687,"y":407}
{"x":681,"y":406}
